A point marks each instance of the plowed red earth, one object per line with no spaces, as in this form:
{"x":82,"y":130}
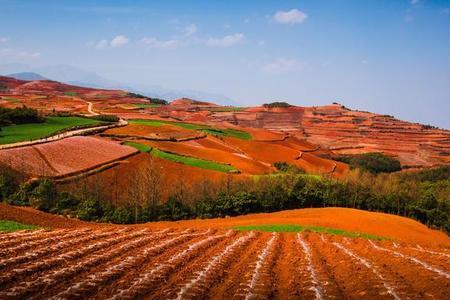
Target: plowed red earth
{"x":65,"y":156}
{"x":204,"y":259}
{"x":122,"y":263}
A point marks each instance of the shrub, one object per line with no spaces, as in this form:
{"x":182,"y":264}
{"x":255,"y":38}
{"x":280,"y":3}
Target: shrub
{"x":288,"y":168}
{"x":89,"y":210}
{"x":372,"y":162}
{"x":150,"y":99}
{"x":44,"y":196}
{"x":20,"y":115}
{"x":106,"y":118}
{"x":276,"y":104}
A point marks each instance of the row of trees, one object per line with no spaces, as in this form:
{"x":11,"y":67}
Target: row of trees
{"x":150,"y":99}
{"x":20,"y":115}
{"x":423,"y":195}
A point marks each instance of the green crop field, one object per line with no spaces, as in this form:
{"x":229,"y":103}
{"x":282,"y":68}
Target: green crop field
{"x":11,"y":100}
{"x":191,"y":161}
{"x":14,"y":226}
{"x":226,"y":108}
{"x":33,"y":131}
{"x":186,"y":160}
{"x":146,"y":105}
{"x":299,"y":228}
{"x":139,"y":146}
{"x":243,"y":135}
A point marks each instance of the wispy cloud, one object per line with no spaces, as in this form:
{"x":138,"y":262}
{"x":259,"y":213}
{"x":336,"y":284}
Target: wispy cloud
{"x":101,"y":44}
{"x":3,"y":39}
{"x":190,"y":30}
{"x":119,"y":41}
{"x":293,"y":16}
{"x":282,"y":65}
{"x":161,"y":44}
{"x":414,"y":2}
{"x":226,"y":41}
{"x":18,"y":54}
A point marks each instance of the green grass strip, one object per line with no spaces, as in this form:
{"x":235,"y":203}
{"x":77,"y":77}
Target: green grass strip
{"x":33,"y":131}
{"x":299,"y":228}
{"x":11,"y":100}
{"x":145,"y":105}
{"x":10,"y":226}
{"x":139,"y":146}
{"x":192,"y":161}
{"x":243,"y":135}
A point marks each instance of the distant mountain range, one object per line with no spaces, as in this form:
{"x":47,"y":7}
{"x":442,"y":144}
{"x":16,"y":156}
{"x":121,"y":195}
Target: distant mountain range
{"x":27,"y":76}
{"x":76,"y":76}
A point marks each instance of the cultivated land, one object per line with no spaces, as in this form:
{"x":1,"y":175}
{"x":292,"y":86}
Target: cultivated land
{"x":52,"y":125}
{"x":204,"y":259}
{"x":317,"y":253}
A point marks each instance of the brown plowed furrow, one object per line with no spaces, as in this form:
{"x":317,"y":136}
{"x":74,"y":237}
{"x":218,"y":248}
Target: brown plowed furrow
{"x":258,"y":280}
{"x":408,"y":279}
{"x":89,"y":276}
{"x":194,"y":280}
{"x":31,"y":275}
{"x":287,"y":269}
{"x":232,"y":277}
{"x":13,"y":240}
{"x":347,"y":265}
{"x":5,"y":236}
{"x":439,"y":260}
{"x":325,"y":284}
{"x":41,"y":248}
{"x":157,"y":273}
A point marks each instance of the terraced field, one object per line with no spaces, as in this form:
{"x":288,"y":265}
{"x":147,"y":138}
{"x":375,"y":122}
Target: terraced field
{"x":167,"y":263}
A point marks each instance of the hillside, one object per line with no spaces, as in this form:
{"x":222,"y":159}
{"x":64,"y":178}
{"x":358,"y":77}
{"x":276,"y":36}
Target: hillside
{"x":68,"y":154}
{"x":332,"y":128}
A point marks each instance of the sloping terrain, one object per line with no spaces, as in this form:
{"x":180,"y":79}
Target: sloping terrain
{"x":333,"y":128}
{"x":205,"y":260}
{"x":64,"y":157}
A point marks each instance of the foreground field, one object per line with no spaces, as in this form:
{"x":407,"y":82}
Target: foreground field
{"x":121,"y":263}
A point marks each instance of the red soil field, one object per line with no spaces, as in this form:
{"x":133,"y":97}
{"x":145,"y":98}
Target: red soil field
{"x":271,"y":152}
{"x":64,"y":157}
{"x":114,"y":182}
{"x":176,"y":260}
{"x":245,"y":164}
{"x":153,"y":132}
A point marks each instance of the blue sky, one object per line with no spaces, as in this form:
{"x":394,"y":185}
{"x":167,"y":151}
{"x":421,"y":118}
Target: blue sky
{"x":386,"y":56}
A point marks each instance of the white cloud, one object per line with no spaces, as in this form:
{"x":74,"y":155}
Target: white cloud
{"x":18,"y":54}
{"x":292,"y":16}
{"x":119,"y":41}
{"x":190,"y":30}
{"x":261,"y":43}
{"x":3,"y":39}
{"x":226,"y":41}
{"x":160,"y":44}
{"x":101,"y":44}
{"x":282,"y":65}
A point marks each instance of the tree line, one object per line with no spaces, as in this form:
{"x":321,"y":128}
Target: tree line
{"x":421,"y":195}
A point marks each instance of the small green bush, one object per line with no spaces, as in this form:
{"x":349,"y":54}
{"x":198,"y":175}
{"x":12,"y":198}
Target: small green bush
{"x":372,"y":162}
